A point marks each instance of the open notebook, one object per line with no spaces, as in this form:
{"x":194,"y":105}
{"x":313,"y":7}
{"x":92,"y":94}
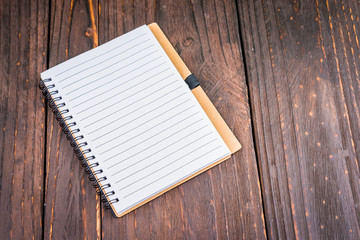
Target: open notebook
{"x":132,"y":119}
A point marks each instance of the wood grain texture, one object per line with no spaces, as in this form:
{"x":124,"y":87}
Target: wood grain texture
{"x":72,"y":208}
{"x":302,"y":61}
{"x":225,"y":202}
{"x":23,"y":49}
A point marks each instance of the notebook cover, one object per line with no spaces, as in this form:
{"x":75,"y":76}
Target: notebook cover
{"x":226,"y":134}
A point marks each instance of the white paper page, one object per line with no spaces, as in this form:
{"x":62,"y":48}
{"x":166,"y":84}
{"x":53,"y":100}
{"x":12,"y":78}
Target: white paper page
{"x":138,"y":116}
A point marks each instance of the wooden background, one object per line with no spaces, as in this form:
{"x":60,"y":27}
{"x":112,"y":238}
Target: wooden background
{"x":284,"y":75}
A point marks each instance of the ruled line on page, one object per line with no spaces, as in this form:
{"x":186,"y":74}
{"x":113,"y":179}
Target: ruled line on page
{"x":107,"y":59}
{"x":117,"y":69}
{"x":157,"y":133}
{"x":173,"y":152}
{"x":108,"y":67}
{"x":126,"y":89}
{"x":137,"y":153}
{"x":165,"y":174}
{"x":135,"y":109}
{"x":101,"y":54}
{"x":164,"y":148}
{"x":159,"y":115}
{"x":115,"y":95}
{"x":144,"y":114}
{"x":182,"y":129}
{"x":114,"y":79}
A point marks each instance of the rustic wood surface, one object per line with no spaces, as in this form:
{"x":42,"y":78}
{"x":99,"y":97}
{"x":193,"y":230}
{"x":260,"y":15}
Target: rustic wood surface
{"x":302,"y":64}
{"x":283,"y":74}
{"x":23,"y":49}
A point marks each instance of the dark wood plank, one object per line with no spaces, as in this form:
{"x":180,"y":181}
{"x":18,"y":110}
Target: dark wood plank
{"x":224,"y":202}
{"x":23,"y":42}
{"x":302,"y":61}
{"x":72,"y":208}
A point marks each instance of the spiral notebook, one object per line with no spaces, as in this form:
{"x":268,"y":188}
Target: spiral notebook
{"x":138,"y":127}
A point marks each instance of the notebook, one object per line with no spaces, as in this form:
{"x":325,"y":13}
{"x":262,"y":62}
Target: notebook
{"x":138,"y":127}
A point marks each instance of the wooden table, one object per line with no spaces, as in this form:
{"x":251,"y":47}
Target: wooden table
{"x":284,"y":75}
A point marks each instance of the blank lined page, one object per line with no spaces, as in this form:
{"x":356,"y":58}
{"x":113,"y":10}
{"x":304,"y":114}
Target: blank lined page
{"x":138,"y":116}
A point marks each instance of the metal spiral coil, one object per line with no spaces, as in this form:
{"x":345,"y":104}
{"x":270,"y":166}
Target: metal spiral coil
{"x":77,"y":142}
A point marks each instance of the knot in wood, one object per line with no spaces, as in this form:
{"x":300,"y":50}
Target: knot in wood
{"x":188,"y":42}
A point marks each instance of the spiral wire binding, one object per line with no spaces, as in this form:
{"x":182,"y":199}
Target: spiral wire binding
{"x":62,"y":115}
